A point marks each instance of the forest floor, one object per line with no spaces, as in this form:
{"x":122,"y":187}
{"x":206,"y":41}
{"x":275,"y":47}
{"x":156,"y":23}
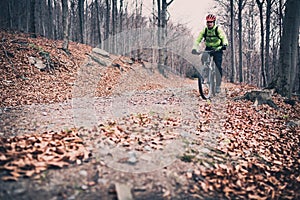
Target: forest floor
{"x":77,"y":129}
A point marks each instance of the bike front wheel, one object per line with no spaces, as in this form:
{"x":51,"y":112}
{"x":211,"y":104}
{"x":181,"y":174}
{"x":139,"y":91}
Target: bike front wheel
{"x":204,"y":87}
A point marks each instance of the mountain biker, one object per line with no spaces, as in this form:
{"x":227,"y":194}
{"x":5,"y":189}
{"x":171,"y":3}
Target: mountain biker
{"x":216,"y":40}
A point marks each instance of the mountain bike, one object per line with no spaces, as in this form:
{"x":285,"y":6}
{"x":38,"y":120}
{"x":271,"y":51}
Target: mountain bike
{"x":207,"y":75}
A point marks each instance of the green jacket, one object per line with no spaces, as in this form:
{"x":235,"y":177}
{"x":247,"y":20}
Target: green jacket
{"x":212,"y":40}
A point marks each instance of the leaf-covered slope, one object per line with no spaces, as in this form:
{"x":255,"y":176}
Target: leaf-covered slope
{"x":21,"y":83}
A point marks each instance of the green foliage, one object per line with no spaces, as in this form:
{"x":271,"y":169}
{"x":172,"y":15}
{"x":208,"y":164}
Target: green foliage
{"x":41,"y":51}
{"x":187,"y":158}
{"x":285,"y":117}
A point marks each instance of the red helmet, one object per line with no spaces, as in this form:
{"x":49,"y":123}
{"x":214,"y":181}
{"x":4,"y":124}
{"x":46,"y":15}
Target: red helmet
{"x":210,"y":17}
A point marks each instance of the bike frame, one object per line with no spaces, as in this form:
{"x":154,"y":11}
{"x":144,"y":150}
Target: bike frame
{"x":207,"y":82}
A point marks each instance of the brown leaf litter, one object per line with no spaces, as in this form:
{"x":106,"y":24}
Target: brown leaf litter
{"x":31,"y":154}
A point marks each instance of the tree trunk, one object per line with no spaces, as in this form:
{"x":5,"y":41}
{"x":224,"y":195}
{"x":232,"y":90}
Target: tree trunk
{"x":164,"y":31}
{"x":121,"y":16}
{"x":280,"y":16}
{"x":262,"y":44}
{"x":289,"y":49}
{"x":73,"y":34}
{"x":56,"y":25}
{"x":251,"y":41}
{"x":276,"y":49}
{"x":162,"y":6}
{"x":98,"y":24}
{"x":159,"y":33}
{"x":298,"y":72}
{"x":65,"y":22}
{"x":81,"y":19}
{"x":107,"y":21}
{"x":240,"y":41}
{"x":114,"y":22}
{"x":233,"y":69}
{"x":40,"y":19}
{"x":268,"y":20}
{"x":32,"y":18}
{"x":114,"y":16}
{"x":50,"y":20}
{"x":10,"y":14}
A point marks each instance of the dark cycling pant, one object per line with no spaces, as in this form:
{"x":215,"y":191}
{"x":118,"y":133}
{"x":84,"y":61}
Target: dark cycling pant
{"x":217,"y":56}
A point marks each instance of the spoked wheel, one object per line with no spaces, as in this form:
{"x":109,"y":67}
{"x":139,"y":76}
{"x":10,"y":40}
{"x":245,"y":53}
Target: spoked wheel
{"x":204,"y":86}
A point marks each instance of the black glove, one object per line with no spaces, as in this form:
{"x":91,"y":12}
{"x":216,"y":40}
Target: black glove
{"x":224,"y":47}
{"x":194,"y":51}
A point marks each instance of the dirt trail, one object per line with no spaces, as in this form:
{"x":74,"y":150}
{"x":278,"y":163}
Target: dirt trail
{"x":139,"y":90}
{"x":155,"y":170}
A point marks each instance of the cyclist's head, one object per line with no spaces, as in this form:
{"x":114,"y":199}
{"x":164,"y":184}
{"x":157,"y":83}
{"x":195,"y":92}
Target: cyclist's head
{"x":210,"y":20}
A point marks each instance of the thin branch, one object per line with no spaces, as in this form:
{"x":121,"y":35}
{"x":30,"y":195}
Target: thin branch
{"x":170,"y":2}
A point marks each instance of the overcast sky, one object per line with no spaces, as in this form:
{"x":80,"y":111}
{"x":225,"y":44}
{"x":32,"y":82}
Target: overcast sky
{"x":189,"y":12}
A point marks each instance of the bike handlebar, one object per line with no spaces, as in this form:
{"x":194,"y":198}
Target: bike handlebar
{"x":201,"y":52}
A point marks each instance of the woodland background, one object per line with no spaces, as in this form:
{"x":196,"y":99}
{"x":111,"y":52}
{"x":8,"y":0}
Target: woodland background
{"x":263,"y":34}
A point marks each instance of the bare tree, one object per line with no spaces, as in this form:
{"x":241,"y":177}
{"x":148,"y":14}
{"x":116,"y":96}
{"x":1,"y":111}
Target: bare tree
{"x":262,"y":44}
{"x":98,"y":23}
{"x":268,"y":24}
{"x":289,"y":46}
{"x":233,"y":69}
{"x":114,"y":22}
{"x":162,"y":6}
{"x":50,"y":19}
{"x":81,"y":19}
{"x":56,"y":23}
{"x":241,"y":4}
{"x":121,"y":13}
{"x":250,"y":41}
{"x":107,"y":22}
{"x":32,"y":18}
{"x":65,"y":22}
{"x":114,"y":16}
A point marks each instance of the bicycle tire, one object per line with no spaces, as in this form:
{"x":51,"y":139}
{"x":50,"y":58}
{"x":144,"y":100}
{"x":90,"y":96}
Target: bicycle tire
{"x":207,"y":85}
{"x":204,"y":87}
